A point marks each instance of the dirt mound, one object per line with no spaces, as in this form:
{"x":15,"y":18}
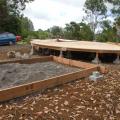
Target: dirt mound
{"x":17,"y":48}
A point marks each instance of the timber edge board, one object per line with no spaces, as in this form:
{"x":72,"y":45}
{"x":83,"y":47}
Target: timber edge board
{"x":25,"y":89}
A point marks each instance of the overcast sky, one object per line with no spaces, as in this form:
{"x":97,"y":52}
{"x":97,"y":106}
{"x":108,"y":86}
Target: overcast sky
{"x":46,"y":13}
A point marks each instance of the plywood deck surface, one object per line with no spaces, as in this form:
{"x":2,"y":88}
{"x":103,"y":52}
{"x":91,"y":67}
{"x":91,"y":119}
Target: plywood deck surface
{"x":85,"y":46}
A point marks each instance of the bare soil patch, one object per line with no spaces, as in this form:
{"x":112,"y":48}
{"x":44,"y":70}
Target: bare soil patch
{"x":80,"y":100}
{"x":17,"y":48}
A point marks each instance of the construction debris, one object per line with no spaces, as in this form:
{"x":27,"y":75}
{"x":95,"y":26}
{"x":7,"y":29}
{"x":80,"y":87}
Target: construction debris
{"x":96,"y":76}
{"x":18,"y":50}
{"x":11,"y":54}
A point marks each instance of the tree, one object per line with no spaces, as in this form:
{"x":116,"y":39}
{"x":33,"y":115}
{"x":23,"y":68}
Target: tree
{"x":72,"y":30}
{"x":116,"y":12}
{"x":15,"y":6}
{"x":116,"y":6}
{"x":85,"y":32}
{"x":3,"y":14}
{"x":56,"y":31}
{"x":117,"y":26}
{"x":13,"y":25}
{"x":108,"y":33}
{"x":75,"y":30}
{"x":10,"y":20}
{"x":68,"y":31}
{"x":26,"y":26}
{"x":95,"y":10}
{"x":78,"y":31}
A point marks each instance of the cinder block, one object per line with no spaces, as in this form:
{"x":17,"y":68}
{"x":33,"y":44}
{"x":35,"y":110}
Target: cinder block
{"x":96,"y":76}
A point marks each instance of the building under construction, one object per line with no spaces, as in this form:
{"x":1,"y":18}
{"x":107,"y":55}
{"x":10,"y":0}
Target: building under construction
{"x":84,"y":50}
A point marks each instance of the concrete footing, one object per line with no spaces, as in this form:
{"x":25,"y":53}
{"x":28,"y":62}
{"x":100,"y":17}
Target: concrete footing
{"x":32,"y":52}
{"x":96,"y":60}
{"x":61,"y":53}
{"x":117,"y":61}
{"x":96,"y":76}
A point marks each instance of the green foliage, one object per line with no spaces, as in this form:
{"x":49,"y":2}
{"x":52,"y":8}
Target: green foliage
{"x":117,"y":25}
{"x":26,"y":27}
{"x":11,"y":20}
{"x":78,"y":31}
{"x":117,"y":21}
{"x":85,"y":32}
{"x":27,"y":24}
{"x":97,"y":7}
{"x":95,"y":10}
{"x":10,"y":17}
{"x":39,"y":35}
{"x":11,"y":24}
{"x":36,"y":35}
{"x":108,"y":34}
{"x":56,"y":31}
{"x":116,"y":6}
{"x":3,"y":15}
{"x":15,"y":6}
{"x":73,"y":28}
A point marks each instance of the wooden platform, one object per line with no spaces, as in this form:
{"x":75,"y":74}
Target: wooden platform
{"x":85,"y":46}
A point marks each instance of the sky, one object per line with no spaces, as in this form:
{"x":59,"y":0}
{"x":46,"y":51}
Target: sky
{"x":47,"y":13}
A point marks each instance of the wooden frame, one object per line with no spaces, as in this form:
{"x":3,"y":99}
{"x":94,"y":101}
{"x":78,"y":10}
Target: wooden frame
{"x":21,"y":90}
{"x":81,"y":46}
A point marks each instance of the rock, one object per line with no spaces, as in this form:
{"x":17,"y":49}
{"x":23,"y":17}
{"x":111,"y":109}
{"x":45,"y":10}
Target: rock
{"x":18,"y":55}
{"x":25,"y":56}
{"x":11,"y":54}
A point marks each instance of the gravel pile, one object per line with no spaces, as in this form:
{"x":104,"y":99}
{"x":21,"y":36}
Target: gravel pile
{"x":16,"y":47}
{"x":16,"y":74}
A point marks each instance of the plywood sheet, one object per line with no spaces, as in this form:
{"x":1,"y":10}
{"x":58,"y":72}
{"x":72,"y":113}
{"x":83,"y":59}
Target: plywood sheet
{"x":85,"y":46}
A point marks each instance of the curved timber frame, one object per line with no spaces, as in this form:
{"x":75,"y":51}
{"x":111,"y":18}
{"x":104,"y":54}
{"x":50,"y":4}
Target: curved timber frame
{"x":80,"y":46}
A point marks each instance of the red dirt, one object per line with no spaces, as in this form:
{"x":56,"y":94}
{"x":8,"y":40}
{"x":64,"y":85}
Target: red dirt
{"x":80,"y":100}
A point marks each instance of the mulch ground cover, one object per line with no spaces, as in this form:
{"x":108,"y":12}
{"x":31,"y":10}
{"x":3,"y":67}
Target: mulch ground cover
{"x":79,"y":100}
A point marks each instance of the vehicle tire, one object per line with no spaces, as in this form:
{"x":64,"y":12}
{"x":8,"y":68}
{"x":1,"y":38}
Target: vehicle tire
{"x":11,"y":43}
